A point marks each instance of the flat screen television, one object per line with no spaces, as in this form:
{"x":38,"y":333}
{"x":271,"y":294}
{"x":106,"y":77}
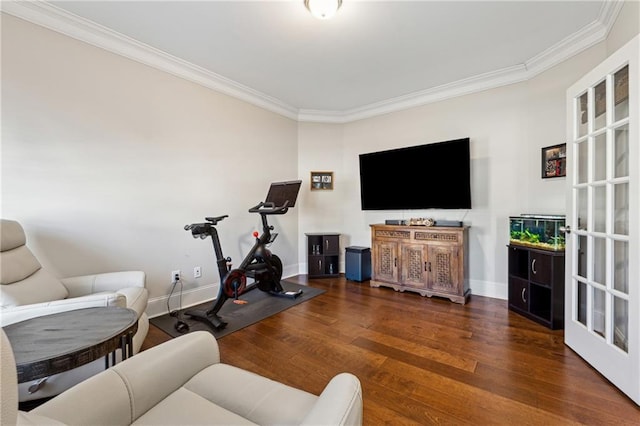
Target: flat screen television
{"x":431,"y":176}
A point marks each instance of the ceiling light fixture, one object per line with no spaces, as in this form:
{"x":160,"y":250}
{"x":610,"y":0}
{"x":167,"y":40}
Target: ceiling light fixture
{"x":323,"y":9}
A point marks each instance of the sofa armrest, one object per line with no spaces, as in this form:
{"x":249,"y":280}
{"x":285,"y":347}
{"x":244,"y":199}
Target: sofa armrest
{"x":124,"y":392}
{"x":25,"y":312}
{"x":111,"y":281}
{"x":340,"y":403}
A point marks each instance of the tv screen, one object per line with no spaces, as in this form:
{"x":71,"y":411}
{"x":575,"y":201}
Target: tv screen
{"x":432,"y":176}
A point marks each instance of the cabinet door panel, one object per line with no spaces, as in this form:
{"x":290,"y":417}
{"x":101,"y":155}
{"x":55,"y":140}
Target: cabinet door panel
{"x":330,"y":244}
{"x":540,"y":268}
{"x":386,"y":261}
{"x":316,"y":265}
{"x":414,"y":265}
{"x":519,"y":294}
{"x":443,"y":269}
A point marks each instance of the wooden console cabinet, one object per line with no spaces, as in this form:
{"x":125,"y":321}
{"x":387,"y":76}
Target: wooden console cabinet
{"x":428,"y":260}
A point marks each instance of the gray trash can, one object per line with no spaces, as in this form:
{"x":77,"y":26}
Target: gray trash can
{"x":358,"y":263}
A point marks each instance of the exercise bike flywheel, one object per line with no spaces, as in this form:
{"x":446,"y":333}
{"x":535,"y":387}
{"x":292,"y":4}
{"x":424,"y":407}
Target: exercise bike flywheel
{"x":234,"y":283}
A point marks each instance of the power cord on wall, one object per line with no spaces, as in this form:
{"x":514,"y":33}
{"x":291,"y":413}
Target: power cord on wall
{"x":181,"y":326}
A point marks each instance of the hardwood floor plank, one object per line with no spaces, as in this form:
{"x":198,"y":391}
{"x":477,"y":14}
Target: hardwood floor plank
{"x":427,"y":361}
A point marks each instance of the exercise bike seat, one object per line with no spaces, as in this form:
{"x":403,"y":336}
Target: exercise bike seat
{"x":215,"y":220}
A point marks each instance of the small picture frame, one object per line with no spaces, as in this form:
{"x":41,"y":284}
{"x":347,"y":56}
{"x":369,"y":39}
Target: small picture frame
{"x":554,"y":161}
{"x":321,"y":181}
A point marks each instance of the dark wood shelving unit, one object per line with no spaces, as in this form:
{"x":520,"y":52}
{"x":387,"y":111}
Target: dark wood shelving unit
{"x":323,"y":254}
{"x":536,"y":285}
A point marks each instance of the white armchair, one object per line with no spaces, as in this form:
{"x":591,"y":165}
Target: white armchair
{"x":27,"y":290}
{"x":183,"y":382}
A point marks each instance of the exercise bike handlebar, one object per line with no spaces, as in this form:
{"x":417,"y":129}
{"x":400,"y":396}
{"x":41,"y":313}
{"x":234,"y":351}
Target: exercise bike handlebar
{"x":270,"y":208}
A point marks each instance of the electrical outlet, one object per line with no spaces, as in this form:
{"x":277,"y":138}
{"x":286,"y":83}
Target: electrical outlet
{"x":175,"y":276}
{"x":197,"y":272}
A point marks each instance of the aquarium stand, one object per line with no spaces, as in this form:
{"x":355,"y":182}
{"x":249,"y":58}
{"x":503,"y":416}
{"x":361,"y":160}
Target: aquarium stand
{"x":536,"y":285}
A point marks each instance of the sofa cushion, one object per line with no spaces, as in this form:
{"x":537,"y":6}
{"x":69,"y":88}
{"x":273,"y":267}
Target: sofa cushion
{"x":261,"y":400}
{"x":22,"y":278}
{"x":36,"y":288}
{"x":17,"y":264}
{"x":184,"y":407}
{"x":12,"y":235}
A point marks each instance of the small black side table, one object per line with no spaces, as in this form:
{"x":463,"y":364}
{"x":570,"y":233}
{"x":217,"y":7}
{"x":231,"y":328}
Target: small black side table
{"x":51,"y":344}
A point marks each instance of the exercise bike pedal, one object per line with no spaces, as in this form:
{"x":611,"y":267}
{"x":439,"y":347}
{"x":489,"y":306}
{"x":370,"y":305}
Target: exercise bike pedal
{"x":287,"y":294}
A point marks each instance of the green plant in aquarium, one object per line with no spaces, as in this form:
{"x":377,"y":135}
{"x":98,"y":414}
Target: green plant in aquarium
{"x":530,"y":236}
{"x":558,"y":241}
{"x":516,"y":235}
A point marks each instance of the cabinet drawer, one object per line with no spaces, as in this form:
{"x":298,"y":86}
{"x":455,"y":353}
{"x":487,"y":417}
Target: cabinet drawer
{"x":519,"y":294}
{"x":540,"y":268}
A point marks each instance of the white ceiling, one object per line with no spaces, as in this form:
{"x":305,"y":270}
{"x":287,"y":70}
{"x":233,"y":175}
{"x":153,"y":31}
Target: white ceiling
{"x":372,"y":57}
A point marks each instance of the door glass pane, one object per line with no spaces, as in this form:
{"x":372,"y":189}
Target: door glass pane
{"x":582,"y":303}
{"x":582,"y":156}
{"x":600,"y":157}
{"x":599,"y":260}
{"x":599,"y":208}
{"x":621,"y":266}
{"x":621,"y":94}
{"x":581,"y":206}
{"x":621,"y":209}
{"x":599,"y":312}
{"x":621,"y":323}
{"x":581,"y":256}
{"x":600,"y":98}
{"x":583,"y":115}
{"x":621,"y":152}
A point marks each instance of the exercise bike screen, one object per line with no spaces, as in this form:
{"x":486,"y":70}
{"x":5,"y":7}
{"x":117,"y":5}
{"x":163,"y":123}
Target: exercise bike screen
{"x":280,"y":192}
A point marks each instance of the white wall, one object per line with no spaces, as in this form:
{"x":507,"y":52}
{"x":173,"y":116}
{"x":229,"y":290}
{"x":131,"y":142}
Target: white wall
{"x":508,"y":126}
{"x":104,"y":160}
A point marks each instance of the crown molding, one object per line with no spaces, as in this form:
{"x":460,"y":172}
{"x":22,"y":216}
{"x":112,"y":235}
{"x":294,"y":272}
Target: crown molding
{"x":575,"y":43}
{"x":466,"y":86}
{"x":54,"y":18}
{"x":609,"y":13}
{"x":588,"y":36}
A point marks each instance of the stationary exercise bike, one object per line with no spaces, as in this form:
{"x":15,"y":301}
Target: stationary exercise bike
{"x":260,"y":264}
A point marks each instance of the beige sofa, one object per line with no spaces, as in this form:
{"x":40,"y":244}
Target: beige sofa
{"x":28,"y":290}
{"x":182,"y":382}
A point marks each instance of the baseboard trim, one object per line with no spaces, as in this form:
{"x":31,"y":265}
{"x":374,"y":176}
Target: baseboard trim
{"x":158,"y":305}
{"x":491,"y":289}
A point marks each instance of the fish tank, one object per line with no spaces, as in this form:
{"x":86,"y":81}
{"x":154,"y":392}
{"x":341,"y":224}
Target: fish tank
{"x":537,"y":231}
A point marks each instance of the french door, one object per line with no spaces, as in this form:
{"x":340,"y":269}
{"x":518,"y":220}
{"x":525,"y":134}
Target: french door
{"x":602,"y":300}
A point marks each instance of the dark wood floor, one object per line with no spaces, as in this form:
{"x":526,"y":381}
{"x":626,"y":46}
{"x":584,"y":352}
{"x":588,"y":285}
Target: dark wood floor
{"x":425,"y":361}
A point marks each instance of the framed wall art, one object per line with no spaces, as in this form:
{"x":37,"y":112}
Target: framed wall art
{"x":554,"y":161}
{"x":321,"y":181}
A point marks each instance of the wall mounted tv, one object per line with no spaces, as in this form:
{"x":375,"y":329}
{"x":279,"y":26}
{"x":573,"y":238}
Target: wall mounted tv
{"x":431,"y":176}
